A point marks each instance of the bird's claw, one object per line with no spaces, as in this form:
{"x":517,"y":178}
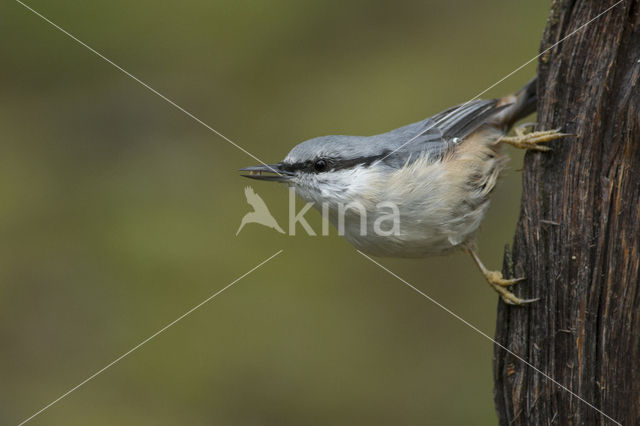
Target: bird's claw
{"x":500,"y":284}
{"x":495,"y":277}
{"x":531,"y":141}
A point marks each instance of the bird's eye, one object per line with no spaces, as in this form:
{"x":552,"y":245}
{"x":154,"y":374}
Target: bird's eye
{"x":320,"y":165}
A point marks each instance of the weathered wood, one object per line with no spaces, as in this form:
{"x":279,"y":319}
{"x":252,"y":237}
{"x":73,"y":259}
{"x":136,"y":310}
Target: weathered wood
{"x":578,"y":237}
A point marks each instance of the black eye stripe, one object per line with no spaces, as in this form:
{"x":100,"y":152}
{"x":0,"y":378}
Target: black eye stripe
{"x":332,"y":164}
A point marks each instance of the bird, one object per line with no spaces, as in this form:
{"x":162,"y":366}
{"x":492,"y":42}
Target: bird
{"x":436,"y":176}
{"x":260,"y":213}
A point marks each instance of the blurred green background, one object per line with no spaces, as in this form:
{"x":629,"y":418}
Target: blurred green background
{"x":118,"y":213}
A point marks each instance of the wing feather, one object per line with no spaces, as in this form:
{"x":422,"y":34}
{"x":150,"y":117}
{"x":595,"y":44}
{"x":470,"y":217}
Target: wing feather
{"x":436,"y":135}
{"x":462,"y":120}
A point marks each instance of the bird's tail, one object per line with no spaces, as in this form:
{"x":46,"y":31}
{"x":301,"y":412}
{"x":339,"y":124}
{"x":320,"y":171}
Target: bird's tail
{"x":520,"y":104}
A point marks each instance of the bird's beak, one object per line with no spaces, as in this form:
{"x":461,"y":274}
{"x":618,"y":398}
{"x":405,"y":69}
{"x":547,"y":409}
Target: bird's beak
{"x":277,"y":173}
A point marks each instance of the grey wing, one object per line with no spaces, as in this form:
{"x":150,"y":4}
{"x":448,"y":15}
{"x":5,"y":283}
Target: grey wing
{"x":461,"y":120}
{"x":436,"y":135}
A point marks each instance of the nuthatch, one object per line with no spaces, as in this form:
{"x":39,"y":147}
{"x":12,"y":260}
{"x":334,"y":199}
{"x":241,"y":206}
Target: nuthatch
{"x":439,"y":172}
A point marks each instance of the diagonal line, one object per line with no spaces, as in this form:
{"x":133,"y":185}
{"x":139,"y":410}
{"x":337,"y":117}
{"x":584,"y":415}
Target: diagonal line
{"x":580,"y":28}
{"x":485,"y":335}
{"x":142,"y":83}
{"x":91,"y":377}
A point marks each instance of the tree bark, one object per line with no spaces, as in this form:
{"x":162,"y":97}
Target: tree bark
{"x":578,"y":236}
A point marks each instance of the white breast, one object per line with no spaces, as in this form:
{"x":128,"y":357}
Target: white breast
{"x":426,"y":200}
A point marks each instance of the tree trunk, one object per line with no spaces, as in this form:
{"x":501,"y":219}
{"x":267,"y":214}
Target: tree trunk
{"x":578,"y":236}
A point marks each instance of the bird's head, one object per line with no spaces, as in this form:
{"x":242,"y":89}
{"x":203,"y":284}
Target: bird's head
{"x":326,"y":169}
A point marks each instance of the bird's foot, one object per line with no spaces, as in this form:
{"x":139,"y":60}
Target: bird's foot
{"x":531,"y":140}
{"x":495,"y":277}
{"x":500,"y":284}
